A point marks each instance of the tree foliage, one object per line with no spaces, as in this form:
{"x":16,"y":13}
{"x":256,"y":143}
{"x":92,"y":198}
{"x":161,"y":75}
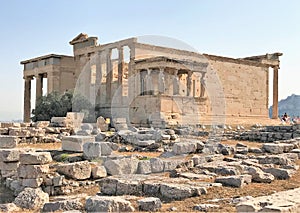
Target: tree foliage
{"x":57,"y":105}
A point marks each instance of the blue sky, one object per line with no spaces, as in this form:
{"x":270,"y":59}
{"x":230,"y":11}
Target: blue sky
{"x":222,"y":27}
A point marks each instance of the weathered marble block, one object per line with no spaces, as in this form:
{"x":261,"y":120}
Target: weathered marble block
{"x":8,"y":141}
{"x":75,"y":143}
{"x":37,"y":158}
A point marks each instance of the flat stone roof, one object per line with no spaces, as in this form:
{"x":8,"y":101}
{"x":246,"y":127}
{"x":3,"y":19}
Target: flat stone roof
{"x":44,"y":57}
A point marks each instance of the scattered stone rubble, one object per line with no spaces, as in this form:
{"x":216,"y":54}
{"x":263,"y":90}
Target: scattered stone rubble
{"x":91,"y":154}
{"x":286,"y":201}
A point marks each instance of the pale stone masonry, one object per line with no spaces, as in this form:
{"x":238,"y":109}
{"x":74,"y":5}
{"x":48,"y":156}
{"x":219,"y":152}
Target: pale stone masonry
{"x":150,"y":84}
{"x":59,"y":71}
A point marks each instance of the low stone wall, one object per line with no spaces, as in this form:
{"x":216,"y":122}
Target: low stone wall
{"x":269,"y":133}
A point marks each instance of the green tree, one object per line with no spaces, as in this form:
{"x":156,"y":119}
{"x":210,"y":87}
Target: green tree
{"x":57,"y":105}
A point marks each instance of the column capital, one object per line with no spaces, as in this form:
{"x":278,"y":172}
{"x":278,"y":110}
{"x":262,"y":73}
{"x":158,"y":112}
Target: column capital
{"x":27,"y":78}
{"x":161,"y":69}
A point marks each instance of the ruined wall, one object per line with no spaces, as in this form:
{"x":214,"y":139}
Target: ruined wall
{"x":245,"y":88}
{"x":67,"y":74}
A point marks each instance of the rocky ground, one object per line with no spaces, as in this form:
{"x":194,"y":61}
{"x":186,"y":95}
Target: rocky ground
{"x":57,"y":167}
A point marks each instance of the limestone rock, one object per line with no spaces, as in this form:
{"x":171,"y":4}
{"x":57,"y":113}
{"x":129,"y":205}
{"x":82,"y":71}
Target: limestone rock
{"x":106,"y":148}
{"x":9,"y":166}
{"x":274,"y":159}
{"x":101,"y":124}
{"x":63,"y":205}
{"x":87,"y":126}
{"x":9,"y":207}
{"x":92,"y":150}
{"x":121,"y":166}
{"x":99,"y":172}
{"x":149,"y":204}
{"x":176,"y":191}
{"x":234,"y":181}
{"x":32,"y":183}
{"x":32,"y":171}
{"x":35,"y":158}
{"x":258,"y":175}
{"x":100,"y":137}
{"x":31,"y":198}
{"x":184,"y":148}
{"x":157,"y":165}
{"x":284,"y":201}
{"x":75,"y":143}
{"x":9,"y":155}
{"x":108,"y":204}
{"x":277,"y":148}
{"x":143,"y":143}
{"x":205,"y":207}
{"x":78,"y":170}
{"x":144,"y":167}
{"x":171,"y":164}
{"x":8,"y":141}
{"x":279,"y":173}
{"x":198,"y":159}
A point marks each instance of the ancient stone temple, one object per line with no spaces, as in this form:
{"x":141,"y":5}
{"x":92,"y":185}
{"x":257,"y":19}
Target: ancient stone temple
{"x":156,"y":85}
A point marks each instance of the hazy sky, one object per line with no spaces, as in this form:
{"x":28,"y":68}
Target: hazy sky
{"x":222,"y":27}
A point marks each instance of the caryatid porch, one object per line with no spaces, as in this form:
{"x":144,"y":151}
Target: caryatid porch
{"x":168,"y":89}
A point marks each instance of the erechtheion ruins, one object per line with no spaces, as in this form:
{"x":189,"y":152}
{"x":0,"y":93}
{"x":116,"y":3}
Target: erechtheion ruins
{"x":155,"y":83}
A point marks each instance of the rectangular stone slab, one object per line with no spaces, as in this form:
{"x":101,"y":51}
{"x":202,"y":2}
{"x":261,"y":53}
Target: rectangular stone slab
{"x":75,"y":143}
{"x":8,"y":141}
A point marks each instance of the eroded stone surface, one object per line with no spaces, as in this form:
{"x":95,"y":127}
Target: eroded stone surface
{"x":108,"y":204}
{"x":75,"y":143}
{"x":234,"y":181}
{"x":78,"y":170}
{"x":9,"y":155}
{"x":285,"y":201}
{"x":63,"y":205}
{"x":35,"y":158}
{"x":8,"y":141}
{"x":149,"y":204}
{"x":121,"y":166}
{"x":31,"y":198}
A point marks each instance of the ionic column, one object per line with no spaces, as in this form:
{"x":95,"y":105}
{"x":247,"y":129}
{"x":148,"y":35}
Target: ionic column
{"x":275,"y":93}
{"x":175,"y":83}
{"x":120,"y":66}
{"x":148,"y":80}
{"x":189,"y":84}
{"x":98,"y":77}
{"x":202,"y":83}
{"x":161,"y":81}
{"x":120,"y":70}
{"x":109,"y":74}
{"x":27,"y":99}
{"x":39,"y":87}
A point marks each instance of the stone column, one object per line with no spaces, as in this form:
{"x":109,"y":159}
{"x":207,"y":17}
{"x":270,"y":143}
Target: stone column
{"x":161,"y":81}
{"x":132,"y":82}
{"x":39,"y":86}
{"x":202,"y":83}
{"x":148,"y":80}
{"x":189,"y":84}
{"x":120,"y":70}
{"x":175,"y":83}
{"x":98,"y":77}
{"x":27,"y":99}
{"x":109,"y":76}
{"x":275,"y":93}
